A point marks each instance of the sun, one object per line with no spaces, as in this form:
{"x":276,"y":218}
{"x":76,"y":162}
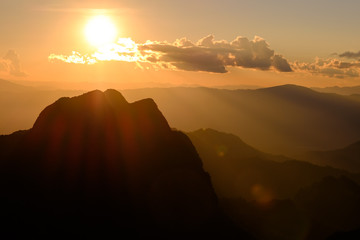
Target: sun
{"x":100,"y":31}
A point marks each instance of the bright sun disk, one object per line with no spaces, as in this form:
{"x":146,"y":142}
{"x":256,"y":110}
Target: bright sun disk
{"x":100,"y":31}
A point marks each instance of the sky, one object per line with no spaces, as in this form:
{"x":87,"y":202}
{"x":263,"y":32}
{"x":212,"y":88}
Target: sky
{"x":191,"y":43}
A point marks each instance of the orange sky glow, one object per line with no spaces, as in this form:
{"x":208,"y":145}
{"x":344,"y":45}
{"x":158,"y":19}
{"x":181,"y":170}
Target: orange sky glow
{"x":132,"y":44}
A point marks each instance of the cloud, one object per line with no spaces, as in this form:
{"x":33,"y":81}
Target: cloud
{"x":74,"y":58}
{"x":215,"y":56}
{"x":10,"y":63}
{"x":350,"y":55}
{"x":329,"y":67}
{"x":281,"y":64}
{"x":207,"y":54}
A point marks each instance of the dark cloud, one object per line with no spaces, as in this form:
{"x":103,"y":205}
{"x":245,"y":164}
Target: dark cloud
{"x":350,"y":55}
{"x":281,"y":64}
{"x":186,"y":58}
{"x":214,"y":56}
{"x":11,"y":63}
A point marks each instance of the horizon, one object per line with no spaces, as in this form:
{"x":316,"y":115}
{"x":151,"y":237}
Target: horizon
{"x":90,"y":86}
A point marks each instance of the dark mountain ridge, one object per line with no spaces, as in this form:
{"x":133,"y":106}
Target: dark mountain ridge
{"x":347,"y":158}
{"x":274,"y":197}
{"x":340,"y":90}
{"x":238,"y":170}
{"x":96,"y":164}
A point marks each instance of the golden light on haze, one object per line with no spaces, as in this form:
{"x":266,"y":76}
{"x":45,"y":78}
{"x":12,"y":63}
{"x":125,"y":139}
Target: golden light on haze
{"x":100,"y":30}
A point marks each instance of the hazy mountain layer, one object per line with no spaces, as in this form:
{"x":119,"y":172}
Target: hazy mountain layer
{"x":340,"y":90}
{"x":274,"y":197}
{"x":238,"y":170}
{"x":347,"y":158}
{"x":283,"y":119}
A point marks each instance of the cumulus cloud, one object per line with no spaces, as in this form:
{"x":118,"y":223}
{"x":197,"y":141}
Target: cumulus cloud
{"x":329,"y":67}
{"x":10,"y":63}
{"x":350,"y":55}
{"x":215,"y":56}
{"x":281,"y":64}
{"x":207,"y":54}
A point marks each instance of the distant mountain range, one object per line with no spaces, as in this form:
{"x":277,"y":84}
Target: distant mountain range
{"x":340,"y":90}
{"x":96,"y":165}
{"x":347,"y":158}
{"x":286,"y":119}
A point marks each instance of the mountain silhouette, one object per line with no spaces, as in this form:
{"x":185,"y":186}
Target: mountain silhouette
{"x":328,"y":209}
{"x":238,"y":170}
{"x":96,"y":164}
{"x":20,"y":105}
{"x":274,"y":197}
{"x":347,"y":158}
{"x":332,"y":205}
{"x":286,"y":119}
{"x":340,"y":90}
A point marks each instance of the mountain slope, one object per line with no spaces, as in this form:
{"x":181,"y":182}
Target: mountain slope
{"x":274,"y":197}
{"x":347,"y":158}
{"x":332,"y":205}
{"x":96,"y":164}
{"x":340,"y":90}
{"x":238,"y":170}
{"x":283,"y":119}
{"x":20,"y":105}
{"x":10,"y":86}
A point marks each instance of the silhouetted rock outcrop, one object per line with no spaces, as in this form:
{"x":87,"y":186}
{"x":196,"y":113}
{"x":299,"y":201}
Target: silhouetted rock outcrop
{"x":96,"y":164}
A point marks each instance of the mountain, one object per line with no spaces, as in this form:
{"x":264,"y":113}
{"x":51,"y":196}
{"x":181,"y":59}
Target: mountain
{"x":20,"y":105}
{"x":327,"y":209}
{"x":10,"y":86}
{"x":96,"y":165}
{"x":347,"y":158}
{"x":240,"y":171}
{"x":284,"y":119}
{"x":355,"y":97}
{"x":332,"y":205}
{"x":274,"y":197}
{"x":340,"y":90}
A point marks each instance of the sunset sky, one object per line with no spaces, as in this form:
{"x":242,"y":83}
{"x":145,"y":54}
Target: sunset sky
{"x":170,"y":43}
